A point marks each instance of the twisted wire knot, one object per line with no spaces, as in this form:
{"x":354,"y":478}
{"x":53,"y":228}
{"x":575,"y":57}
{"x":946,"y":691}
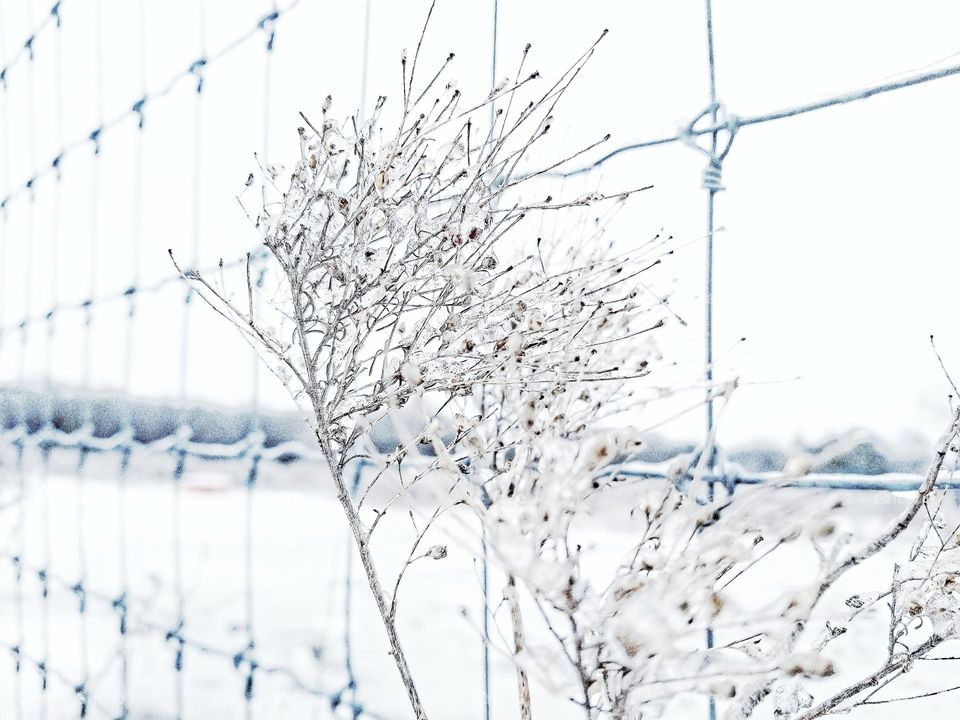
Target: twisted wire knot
{"x":267,"y":24}
{"x":246,"y":657}
{"x":176,"y":635}
{"x":120,"y":605}
{"x":337,"y":699}
{"x":81,"y":592}
{"x":82,"y":695}
{"x":137,"y":108}
{"x":196,"y":69}
{"x":713,"y":172}
{"x":94,"y":137}
{"x":728,"y":478}
{"x":43,"y":577}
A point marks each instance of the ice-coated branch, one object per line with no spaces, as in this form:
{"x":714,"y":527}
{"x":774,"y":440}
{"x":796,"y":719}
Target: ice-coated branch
{"x":896,"y":664}
{"x":903,"y":520}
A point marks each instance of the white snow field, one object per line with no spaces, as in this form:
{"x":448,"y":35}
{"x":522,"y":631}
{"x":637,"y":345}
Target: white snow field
{"x":298,"y":553}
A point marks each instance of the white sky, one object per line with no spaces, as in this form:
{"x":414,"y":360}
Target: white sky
{"x":840,"y":245}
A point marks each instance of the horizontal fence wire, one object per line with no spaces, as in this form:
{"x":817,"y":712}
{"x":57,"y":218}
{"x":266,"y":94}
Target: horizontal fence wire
{"x":738,"y":122}
{"x":138,"y":106}
{"x":25,"y":49}
{"x":90,"y":304}
{"x":253,"y":446}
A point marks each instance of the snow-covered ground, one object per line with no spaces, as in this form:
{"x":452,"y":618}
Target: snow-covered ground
{"x":299,"y":552}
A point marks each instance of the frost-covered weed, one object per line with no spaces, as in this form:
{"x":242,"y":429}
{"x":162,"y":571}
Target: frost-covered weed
{"x":407,"y":273}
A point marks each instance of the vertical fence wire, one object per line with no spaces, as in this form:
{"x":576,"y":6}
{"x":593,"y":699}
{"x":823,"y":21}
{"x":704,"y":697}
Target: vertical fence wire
{"x":711,"y":195}
{"x":47,"y":421}
{"x":87,"y":362}
{"x":4,"y":212}
{"x":121,"y":602}
{"x":708,"y":324}
{"x":365,"y":64}
{"x":248,"y":655}
{"x":176,"y":635}
{"x":28,"y":250}
{"x":4,"y":238}
{"x":351,"y":685}
{"x":350,"y":688}
{"x":485,"y":559}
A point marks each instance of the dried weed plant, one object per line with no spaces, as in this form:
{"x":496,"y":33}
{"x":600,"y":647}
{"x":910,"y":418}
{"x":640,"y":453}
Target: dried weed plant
{"x":407,"y":273}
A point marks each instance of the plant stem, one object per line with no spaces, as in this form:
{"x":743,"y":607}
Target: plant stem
{"x":376,"y":588}
{"x":893,"y":665}
{"x":523,"y":682}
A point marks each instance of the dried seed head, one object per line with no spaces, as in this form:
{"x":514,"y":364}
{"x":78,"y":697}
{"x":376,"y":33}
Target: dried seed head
{"x":437,"y":552}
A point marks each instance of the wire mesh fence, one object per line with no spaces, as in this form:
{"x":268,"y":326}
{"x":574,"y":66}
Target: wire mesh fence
{"x":88,"y":592}
{"x":95,"y":578}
